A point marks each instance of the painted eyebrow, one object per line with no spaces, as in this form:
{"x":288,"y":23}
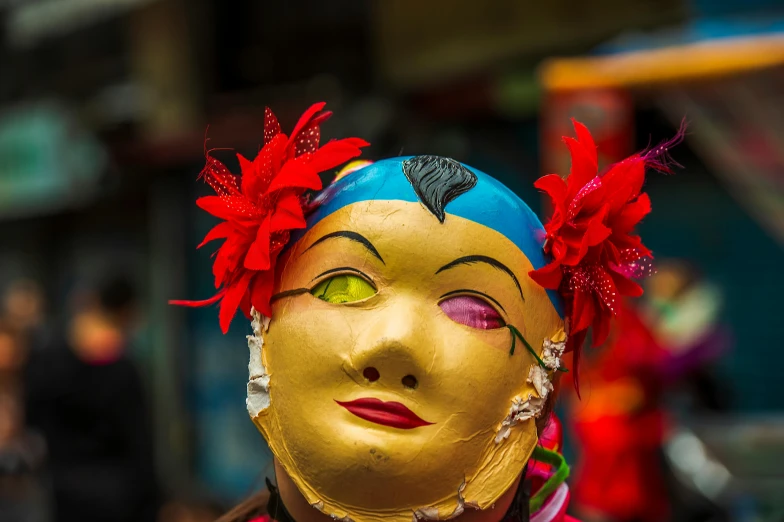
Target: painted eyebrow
{"x":352,"y":236}
{"x":470,"y":260}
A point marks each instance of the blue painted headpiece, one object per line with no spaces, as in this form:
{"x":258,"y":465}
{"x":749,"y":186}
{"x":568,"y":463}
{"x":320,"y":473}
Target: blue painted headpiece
{"x":386,"y":180}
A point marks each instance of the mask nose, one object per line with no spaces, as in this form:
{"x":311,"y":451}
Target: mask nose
{"x":395,"y":352}
{"x":371,"y":374}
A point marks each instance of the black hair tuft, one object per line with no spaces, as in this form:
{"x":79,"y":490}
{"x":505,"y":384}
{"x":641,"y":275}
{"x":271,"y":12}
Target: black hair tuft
{"x":437,"y":181}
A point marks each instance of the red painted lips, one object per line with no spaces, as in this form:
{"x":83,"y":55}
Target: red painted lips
{"x":391,"y":414}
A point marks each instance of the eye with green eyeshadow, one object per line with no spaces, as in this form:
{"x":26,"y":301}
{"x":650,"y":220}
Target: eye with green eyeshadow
{"x":346,"y":286}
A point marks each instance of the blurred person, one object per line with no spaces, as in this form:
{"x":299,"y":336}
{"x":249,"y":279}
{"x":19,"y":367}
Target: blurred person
{"x":86,"y":397}
{"x":683,"y":309}
{"x":24,"y":307}
{"x":619,"y":426}
{"x":13,"y":351}
{"x":24,"y":492}
{"x":24,"y":496}
{"x":190,"y":510}
{"x":684,"y":312}
{"x":661,"y":347}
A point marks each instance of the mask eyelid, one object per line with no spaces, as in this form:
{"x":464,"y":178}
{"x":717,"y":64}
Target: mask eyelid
{"x":470,"y":308}
{"x":351,"y":286}
{"x":343,"y":270}
{"x":467,"y":291}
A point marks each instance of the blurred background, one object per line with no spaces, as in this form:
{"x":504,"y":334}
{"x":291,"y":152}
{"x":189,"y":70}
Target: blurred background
{"x":116,"y":406}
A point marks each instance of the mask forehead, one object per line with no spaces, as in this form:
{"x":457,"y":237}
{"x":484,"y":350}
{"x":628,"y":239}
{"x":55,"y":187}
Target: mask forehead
{"x":488,"y":203}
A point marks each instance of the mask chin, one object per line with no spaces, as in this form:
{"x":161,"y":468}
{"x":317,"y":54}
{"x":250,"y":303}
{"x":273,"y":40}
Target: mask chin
{"x":496,"y":472}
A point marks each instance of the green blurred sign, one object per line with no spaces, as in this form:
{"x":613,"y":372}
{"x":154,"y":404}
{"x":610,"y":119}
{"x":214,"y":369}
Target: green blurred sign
{"x":46,"y":161}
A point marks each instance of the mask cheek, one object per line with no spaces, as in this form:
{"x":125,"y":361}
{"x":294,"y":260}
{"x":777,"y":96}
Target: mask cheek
{"x":472,"y":311}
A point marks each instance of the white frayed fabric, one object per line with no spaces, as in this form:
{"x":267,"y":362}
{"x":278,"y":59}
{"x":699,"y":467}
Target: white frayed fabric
{"x":539,"y":377}
{"x":552,"y":352}
{"x":431,"y":513}
{"x":258,"y":380}
{"x":541,"y":380}
{"x":426,"y":513}
{"x":520,"y":411}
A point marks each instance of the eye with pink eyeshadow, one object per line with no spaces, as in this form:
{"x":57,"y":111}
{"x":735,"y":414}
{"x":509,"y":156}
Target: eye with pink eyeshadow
{"x":472,"y":311}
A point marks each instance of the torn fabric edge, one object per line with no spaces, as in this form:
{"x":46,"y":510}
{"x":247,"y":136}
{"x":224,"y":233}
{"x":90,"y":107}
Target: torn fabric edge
{"x":258,"y":398}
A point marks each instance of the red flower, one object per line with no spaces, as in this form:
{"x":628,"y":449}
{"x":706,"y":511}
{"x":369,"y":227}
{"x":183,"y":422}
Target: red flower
{"x":591,"y":235}
{"x":262,"y":207}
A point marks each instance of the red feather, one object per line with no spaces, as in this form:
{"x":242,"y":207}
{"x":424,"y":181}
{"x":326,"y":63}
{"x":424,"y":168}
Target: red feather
{"x":219,"y":231}
{"x":231,"y":299}
{"x":271,"y":125}
{"x":307,"y":117}
{"x":258,"y":255}
{"x":261,"y":292}
{"x":261,"y":209}
{"x":296,"y":174}
{"x":591,"y":235}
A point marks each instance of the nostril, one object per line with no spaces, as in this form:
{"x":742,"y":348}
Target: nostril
{"x":371,"y":374}
{"x":409,"y":381}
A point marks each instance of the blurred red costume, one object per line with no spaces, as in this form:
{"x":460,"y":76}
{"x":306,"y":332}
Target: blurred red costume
{"x":620,"y":427}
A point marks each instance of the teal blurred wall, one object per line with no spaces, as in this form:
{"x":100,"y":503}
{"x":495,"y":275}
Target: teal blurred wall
{"x":694,"y":217}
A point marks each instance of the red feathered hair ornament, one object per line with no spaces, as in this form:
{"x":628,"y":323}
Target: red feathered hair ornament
{"x":260,"y":208}
{"x":591,"y":235}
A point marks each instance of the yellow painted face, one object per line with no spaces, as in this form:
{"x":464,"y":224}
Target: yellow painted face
{"x":389,"y":366}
